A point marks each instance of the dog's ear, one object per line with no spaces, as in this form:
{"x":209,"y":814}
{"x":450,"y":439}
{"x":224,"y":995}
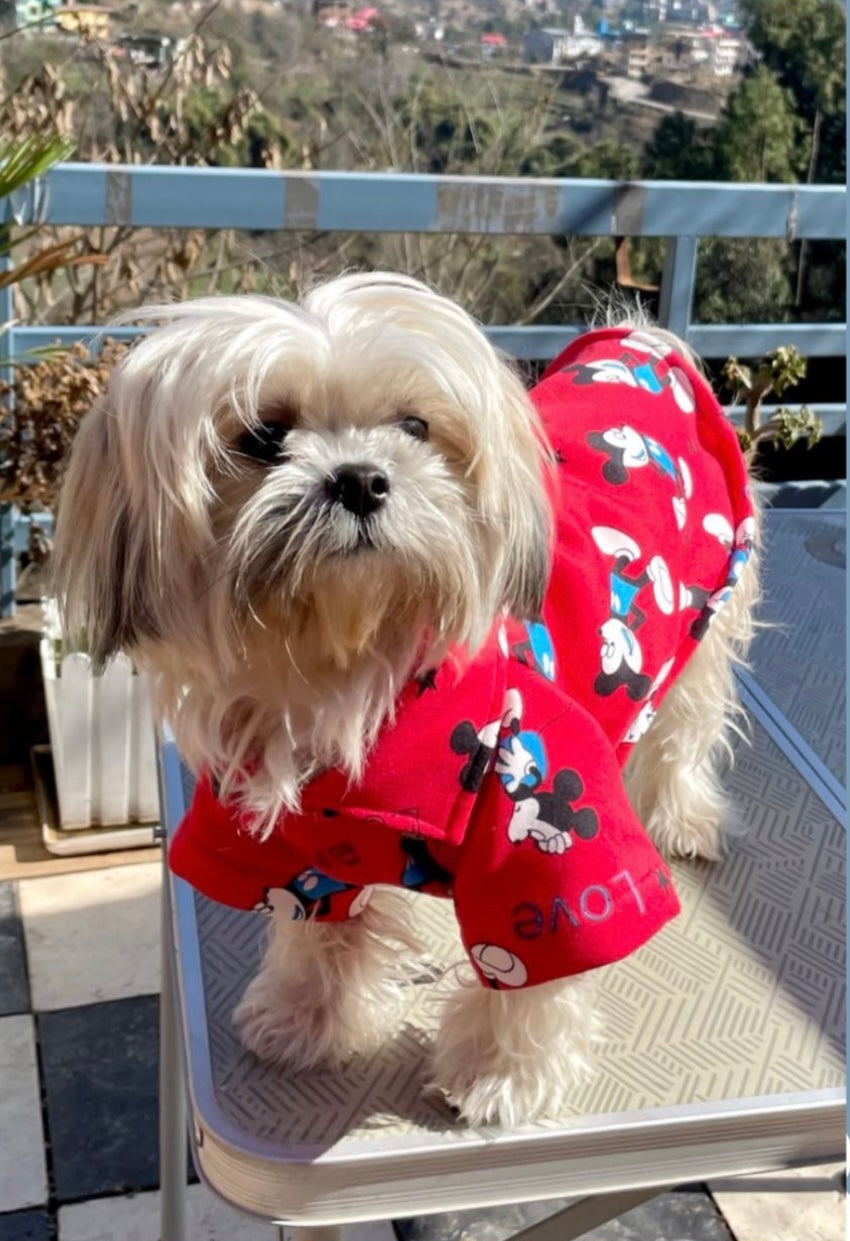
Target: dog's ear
{"x":100,"y":567}
{"x":521,"y":476}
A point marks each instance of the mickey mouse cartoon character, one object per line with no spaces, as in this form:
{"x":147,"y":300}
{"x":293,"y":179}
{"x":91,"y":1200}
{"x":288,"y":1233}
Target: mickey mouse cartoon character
{"x":480,"y":745}
{"x":421,"y":872}
{"x":521,"y":761}
{"x":740,"y":544}
{"x":622,"y":658}
{"x":547,"y":818}
{"x":655,"y":379}
{"x":628,"y":450}
{"x":536,"y":651}
{"x":645,"y":373}
{"x":642,"y":722}
{"x":308,"y":892}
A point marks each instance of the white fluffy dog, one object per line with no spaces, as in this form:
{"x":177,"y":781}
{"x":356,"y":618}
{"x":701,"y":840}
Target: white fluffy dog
{"x":292,"y":514}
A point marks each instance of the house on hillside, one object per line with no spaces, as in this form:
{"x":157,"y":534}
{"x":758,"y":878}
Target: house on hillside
{"x":331,"y":13}
{"x":553,"y":45}
{"x":639,"y":55}
{"x":493,"y":44}
{"x":149,"y":51}
{"x":363,"y":20}
{"x":92,"y":20}
{"x":712,"y":49}
{"x":33,"y":13}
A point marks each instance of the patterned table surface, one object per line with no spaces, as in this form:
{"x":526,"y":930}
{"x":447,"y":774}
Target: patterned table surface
{"x":742,"y":997}
{"x":800,"y":658}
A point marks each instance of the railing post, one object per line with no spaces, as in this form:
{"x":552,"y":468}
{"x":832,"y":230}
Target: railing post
{"x":7,"y":560}
{"x":7,"y":512}
{"x":677,"y":284}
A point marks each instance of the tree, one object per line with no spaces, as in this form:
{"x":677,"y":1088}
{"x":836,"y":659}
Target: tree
{"x":607,"y":159}
{"x":742,"y":280}
{"x":804,"y":43}
{"x":757,"y":136}
{"x":679,"y":150}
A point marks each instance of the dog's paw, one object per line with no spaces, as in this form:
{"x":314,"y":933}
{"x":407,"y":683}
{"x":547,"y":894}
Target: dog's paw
{"x":283,"y":1026}
{"x":281,"y":1029}
{"x":700,"y":835}
{"x":512,"y":1057}
{"x":504,"y":1097}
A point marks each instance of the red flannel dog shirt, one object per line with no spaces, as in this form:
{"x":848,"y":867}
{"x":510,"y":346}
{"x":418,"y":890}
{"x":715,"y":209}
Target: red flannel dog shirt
{"x":499,"y":782}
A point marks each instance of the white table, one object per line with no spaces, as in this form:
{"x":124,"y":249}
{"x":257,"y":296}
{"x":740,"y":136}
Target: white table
{"x":725,"y":1046}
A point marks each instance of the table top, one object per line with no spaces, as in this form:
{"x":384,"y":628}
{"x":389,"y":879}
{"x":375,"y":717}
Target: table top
{"x":723,"y":1048}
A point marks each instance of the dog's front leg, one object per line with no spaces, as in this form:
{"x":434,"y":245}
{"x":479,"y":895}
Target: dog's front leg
{"x":514,"y":1056}
{"x":326,"y":989}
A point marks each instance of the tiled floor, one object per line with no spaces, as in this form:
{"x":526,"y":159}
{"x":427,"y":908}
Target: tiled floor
{"x":78,"y":1097}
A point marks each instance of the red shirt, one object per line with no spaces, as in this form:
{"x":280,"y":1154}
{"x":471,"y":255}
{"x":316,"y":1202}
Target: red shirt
{"x":499,"y":782}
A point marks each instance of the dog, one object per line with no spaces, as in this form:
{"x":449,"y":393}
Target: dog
{"x":418,"y":628}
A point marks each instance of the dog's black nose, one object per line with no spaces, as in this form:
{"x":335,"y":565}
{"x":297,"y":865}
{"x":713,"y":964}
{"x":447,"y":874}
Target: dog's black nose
{"x":359,"y":488}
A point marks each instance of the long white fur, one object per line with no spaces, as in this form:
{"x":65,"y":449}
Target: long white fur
{"x":278,"y":651}
{"x":164,"y":547}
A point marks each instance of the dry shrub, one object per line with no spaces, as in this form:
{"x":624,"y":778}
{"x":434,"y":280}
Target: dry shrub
{"x":41,"y":411}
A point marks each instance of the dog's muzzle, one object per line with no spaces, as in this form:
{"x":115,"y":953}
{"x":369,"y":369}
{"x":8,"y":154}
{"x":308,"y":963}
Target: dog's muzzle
{"x":360,"y":489}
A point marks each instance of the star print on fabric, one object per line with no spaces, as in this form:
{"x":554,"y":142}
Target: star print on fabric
{"x":663,"y":878}
{"x":427,"y":681}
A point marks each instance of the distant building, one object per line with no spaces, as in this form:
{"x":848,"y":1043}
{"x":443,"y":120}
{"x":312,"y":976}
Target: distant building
{"x":363,"y":20}
{"x":691,"y":12}
{"x":149,"y":51}
{"x":639,"y":56}
{"x":725,"y":56}
{"x":331,"y":13}
{"x":35,"y":13}
{"x":553,"y":45}
{"x":93,"y":20}
{"x":544,"y":47}
{"x":493,"y":44}
{"x":714,"y":50}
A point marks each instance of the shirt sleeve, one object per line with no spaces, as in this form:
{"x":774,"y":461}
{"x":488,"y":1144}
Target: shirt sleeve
{"x":557,"y":874}
{"x":214,"y":850}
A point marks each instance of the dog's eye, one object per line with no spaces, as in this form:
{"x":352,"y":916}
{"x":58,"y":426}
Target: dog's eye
{"x":416,"y":428}
{"x":263,"y":443}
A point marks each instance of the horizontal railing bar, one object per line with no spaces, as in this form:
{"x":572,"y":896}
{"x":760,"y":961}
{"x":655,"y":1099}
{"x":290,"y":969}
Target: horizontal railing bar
{"x":823,"y":340}
{"x":89,"y":195}
{"x":25,"y":339}
{"x":814,"y":340}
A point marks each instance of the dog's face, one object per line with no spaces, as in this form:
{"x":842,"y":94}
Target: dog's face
{"x":360,"y":471}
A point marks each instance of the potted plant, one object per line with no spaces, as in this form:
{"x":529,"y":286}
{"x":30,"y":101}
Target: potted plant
{"x":100,"y":723}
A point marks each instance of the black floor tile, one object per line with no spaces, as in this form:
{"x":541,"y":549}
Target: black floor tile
{"x":14,"y":988}
{"x":681,"y":1215}
{"x":487,"y":1224}
{"x":678,"y":1216}
{"x":25,"y":1225}
{"x":100,"y":1073}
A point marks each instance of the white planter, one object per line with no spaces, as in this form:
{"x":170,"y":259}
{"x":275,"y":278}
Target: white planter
{"x":102,"y":738}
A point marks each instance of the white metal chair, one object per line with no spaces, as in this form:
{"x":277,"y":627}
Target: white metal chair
{"x":725,"y":1054}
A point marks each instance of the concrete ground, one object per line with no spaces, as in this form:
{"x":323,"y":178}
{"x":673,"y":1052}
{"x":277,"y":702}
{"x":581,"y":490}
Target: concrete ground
{"x":79,"y":982}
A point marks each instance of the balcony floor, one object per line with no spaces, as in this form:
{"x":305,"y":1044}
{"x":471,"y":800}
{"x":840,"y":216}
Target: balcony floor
{"x":79,"y":979}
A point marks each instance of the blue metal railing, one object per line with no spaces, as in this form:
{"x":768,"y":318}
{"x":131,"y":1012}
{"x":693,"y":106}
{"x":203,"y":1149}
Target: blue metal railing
{"x":91,"y":195}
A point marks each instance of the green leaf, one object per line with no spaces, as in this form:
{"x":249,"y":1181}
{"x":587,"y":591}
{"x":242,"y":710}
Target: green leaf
{"x":22,"y":161}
